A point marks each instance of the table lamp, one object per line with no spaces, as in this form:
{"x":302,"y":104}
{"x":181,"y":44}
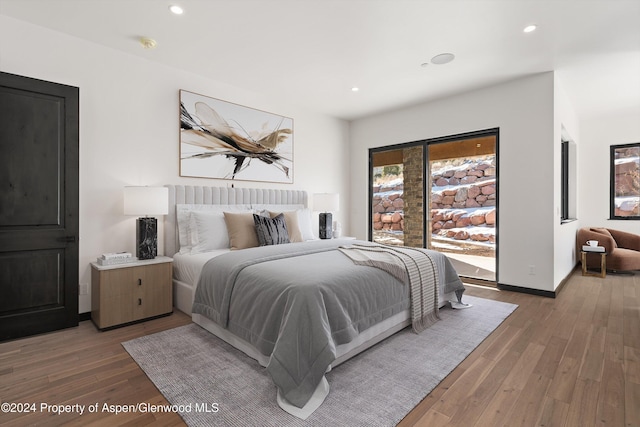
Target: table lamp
{"x":146,"y":201}
{"x":325,"y":203}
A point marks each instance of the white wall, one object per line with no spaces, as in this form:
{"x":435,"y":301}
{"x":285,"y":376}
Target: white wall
{"x":564,"y":250}
{"x":598,"y":134}
{"x":129,"y":130}
{"x":523,"y":111}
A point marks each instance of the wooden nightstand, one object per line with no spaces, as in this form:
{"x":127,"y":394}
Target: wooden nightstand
{"x":131,"y":292}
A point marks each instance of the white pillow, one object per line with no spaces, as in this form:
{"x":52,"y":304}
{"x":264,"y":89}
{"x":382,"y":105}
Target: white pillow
{"x":304,"y":222}
{"x":183,"y":217}
{"x":208,"y":231}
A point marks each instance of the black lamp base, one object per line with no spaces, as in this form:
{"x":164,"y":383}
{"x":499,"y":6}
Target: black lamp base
{"x":147,"y":238}
{"x":326,"y":226}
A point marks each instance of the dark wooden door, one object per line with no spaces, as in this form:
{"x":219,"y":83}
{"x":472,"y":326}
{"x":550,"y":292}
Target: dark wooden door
{"x":38,"y":206}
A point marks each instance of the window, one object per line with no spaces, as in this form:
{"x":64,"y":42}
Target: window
{"x":564,"y":215}
{"x":568,"y":179}
{"x":625,"y":182}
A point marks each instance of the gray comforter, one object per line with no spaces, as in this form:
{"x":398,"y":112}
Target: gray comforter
{"x":297,"y":302}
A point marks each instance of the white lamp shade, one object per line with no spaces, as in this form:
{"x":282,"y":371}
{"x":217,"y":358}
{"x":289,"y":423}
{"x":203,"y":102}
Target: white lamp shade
{"x":326,"y":202}
{"x":146,"y":201}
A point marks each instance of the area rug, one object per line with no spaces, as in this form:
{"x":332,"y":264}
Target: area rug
{"x":211,"y":383}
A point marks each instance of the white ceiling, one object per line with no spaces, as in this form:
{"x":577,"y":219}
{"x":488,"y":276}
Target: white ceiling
{"x":312,"y":52}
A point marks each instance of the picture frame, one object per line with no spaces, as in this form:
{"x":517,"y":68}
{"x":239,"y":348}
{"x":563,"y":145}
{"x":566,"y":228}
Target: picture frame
{"x":224,"y":140}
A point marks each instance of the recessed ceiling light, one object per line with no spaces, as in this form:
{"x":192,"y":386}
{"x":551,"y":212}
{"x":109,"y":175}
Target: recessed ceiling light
{"x":355,"y":89}
{"x":148,"y":42}
{"x":530,"y":28}
{"x":443,"y":58}
{"x":176,"y":9}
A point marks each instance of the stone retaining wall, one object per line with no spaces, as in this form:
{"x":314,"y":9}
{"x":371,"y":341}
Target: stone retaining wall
{"x":460,"y":197}
{"x":481,"y":194}
{"x":448,"y":222}
{"x":627,"y":184}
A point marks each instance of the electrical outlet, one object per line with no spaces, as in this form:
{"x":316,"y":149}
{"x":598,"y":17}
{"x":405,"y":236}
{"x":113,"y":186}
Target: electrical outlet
{"x":84,"y":289}
{"x":532,"y":269}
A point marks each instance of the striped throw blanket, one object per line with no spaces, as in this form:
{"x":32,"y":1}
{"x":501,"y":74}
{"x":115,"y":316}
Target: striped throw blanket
{"x":413,"y":266}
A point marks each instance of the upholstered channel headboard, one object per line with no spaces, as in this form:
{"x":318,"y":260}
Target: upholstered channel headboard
{"x":187,"y":194}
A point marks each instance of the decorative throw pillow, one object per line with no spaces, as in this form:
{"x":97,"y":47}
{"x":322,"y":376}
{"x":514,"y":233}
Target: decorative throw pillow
{"x":242,"y":232}
{"x":291,"y":220}
{"x":271,"y":231}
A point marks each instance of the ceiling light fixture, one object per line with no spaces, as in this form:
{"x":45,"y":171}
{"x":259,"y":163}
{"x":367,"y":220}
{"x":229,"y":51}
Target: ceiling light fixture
{"x":530,"y":28}
{"x":176,"y":9}
{"x":443,"y":58}
{"x":355,"y":89}
{"x":148,"y":43}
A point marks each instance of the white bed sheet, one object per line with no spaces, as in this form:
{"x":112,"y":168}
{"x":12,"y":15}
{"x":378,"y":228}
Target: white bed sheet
{"x":187,"y":267}
{"x":186,"y":273}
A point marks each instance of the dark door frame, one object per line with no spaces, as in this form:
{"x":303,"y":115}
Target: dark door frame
{"x":425,"y":143}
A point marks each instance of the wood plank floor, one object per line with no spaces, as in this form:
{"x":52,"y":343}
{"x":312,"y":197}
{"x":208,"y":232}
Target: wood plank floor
{"x":569,"y":361}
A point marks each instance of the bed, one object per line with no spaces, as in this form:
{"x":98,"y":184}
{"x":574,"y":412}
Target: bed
{"x":321,"y":301}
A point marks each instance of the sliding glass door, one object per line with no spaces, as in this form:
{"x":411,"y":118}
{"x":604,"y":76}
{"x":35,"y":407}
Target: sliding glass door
{"x":463,"y":201}
{"x":440,"y":194}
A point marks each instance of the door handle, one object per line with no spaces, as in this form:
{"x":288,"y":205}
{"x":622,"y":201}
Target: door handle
{"x":67,"y":239}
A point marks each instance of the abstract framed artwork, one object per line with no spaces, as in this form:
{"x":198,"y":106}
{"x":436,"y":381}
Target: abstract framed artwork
{"x":223,"y":140}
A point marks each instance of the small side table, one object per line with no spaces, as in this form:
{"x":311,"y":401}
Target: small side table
{"x":603,"y":264}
